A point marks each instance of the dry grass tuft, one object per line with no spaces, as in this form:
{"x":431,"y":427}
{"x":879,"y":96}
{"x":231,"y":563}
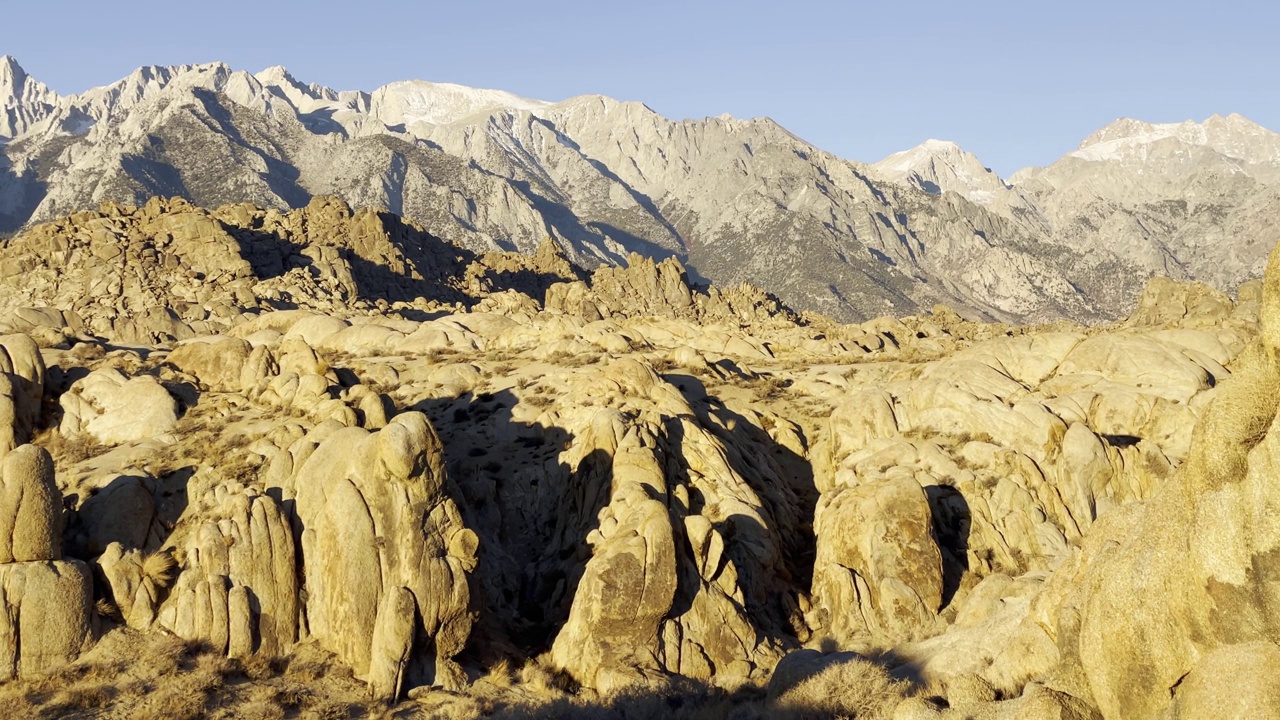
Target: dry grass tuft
{"x":542,"y":679}
{"x":770,"y":387}
{"x":160,"y":567}
{"x":154,"y":676}
{"x":502,"y":674}
{"x":537,"y":400}
{"x":68,"y":451}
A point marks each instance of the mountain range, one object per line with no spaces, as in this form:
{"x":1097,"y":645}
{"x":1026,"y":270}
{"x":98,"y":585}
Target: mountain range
{"x":735,"y":200}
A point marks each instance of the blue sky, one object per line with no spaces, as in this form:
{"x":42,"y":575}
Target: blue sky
{"x":1017,"y":83}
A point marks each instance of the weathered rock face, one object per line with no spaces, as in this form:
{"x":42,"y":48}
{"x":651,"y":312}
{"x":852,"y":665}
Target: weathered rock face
{"x":1177,"y":581}
{"x":239,"y":586}
{"x":1234,"y":681}
{"x":44,"y":601}
{"x":44,"y":616}
{"x":878,"y":571}
{"x":22,"y":373}
{"x":659,"y":533}
{"x":112,"y":408}
{"x":645,"y":288}
{"x":629,"y":584}
{"x":378,"y":522}
{"x":177,"y":271}
{"x":30,"y":507}
{"x":219,"y":364}
{"x":1001,"y":457}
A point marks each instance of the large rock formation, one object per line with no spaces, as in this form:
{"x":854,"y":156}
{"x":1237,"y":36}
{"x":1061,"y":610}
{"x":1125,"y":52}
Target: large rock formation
{"x":44,"y":600}
{"x":1177,"y":588}
{"x":379,"y":529}
{"x":239,"y":586}
{"x":22,"y":378}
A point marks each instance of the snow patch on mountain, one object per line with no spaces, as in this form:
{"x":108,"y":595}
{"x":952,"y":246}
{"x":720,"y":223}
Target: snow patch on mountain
{"x":414,"y":101}
{"x":937,"y":166}
{"x":1233,"y":136}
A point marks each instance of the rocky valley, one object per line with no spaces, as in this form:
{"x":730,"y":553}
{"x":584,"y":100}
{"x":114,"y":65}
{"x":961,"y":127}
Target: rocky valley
{"x":321,"y":462}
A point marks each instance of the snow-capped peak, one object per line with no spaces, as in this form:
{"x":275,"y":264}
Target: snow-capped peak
{"x":276,"y":74}
{"x":412,"y":101}
{"x":1234,"y":136}
{"x":910,"y":160}
{"x":302,"y":96}
{"x":936,"y":166}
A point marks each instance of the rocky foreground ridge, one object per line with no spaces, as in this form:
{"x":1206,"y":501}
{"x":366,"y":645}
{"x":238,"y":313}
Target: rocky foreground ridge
{"x":256,"y":463}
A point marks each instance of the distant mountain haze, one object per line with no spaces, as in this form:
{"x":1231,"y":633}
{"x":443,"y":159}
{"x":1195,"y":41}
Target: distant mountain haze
{"x":735,"y":200}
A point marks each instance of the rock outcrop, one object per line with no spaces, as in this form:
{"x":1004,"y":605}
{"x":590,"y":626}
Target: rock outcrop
{"x":1176,"y":588}
{"x":44,"y":601}
{"x":22,"y":372}
{"x":379,"y":529}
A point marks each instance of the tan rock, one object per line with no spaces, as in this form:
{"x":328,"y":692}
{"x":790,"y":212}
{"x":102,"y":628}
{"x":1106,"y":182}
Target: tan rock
{"x":878,"y":571}
{"x":44,"y":616}
{"x":374,"y":506}
{"x":30,"y":507}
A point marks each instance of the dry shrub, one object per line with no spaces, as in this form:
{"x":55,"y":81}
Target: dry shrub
{"x":537,"y":400}
{"x":69,"y":450}
{"x":542,"y":679}
{"x":153,"y":675}
{"x":770,"y":387}
{"x":79,"y":698}
{"x":676,"y":698}
{"x":502,"y":674}
{"x":564,"y":358}
{"x":664,"y":365}
{"x":436,"y":705}
{"x":852,"y":688}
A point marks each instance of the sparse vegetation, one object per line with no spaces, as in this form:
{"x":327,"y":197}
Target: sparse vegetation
{"x":537,"y":400}
{"x":155,"y":676}
{"x":69,"y":451}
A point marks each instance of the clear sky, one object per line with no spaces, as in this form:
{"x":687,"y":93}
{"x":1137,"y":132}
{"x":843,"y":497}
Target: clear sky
{"x":1017,"y":83}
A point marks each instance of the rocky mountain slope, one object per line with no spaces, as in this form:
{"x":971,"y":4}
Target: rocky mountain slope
{"x":1193,"y":201}
{"x":734,"y":200}
{"x":497,"y":485}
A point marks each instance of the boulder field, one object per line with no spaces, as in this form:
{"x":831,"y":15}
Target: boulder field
{"x":623,"y":483}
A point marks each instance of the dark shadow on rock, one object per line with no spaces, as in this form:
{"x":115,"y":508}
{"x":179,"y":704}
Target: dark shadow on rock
{"x":281,"y":177}
{"x":532,"y":512}
{"x":787,"y":508}
{"x":33,"y":190}
{"x":156,"y":176}
{"x":902,"y":668}
{"x":170,"y":495}
{"x":420,"y":264}
{"x":123,"y":511}
{"x":320,"y":122}
{"x":569,"y":225}
{"x":951,"y":521}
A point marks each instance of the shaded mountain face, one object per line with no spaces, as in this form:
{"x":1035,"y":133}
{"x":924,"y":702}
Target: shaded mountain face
{"x":735,"y":200}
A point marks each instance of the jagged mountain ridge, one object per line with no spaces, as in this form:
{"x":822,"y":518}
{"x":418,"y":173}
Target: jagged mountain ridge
{"x":736,"y":200}
{"x":1191,"y":201}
